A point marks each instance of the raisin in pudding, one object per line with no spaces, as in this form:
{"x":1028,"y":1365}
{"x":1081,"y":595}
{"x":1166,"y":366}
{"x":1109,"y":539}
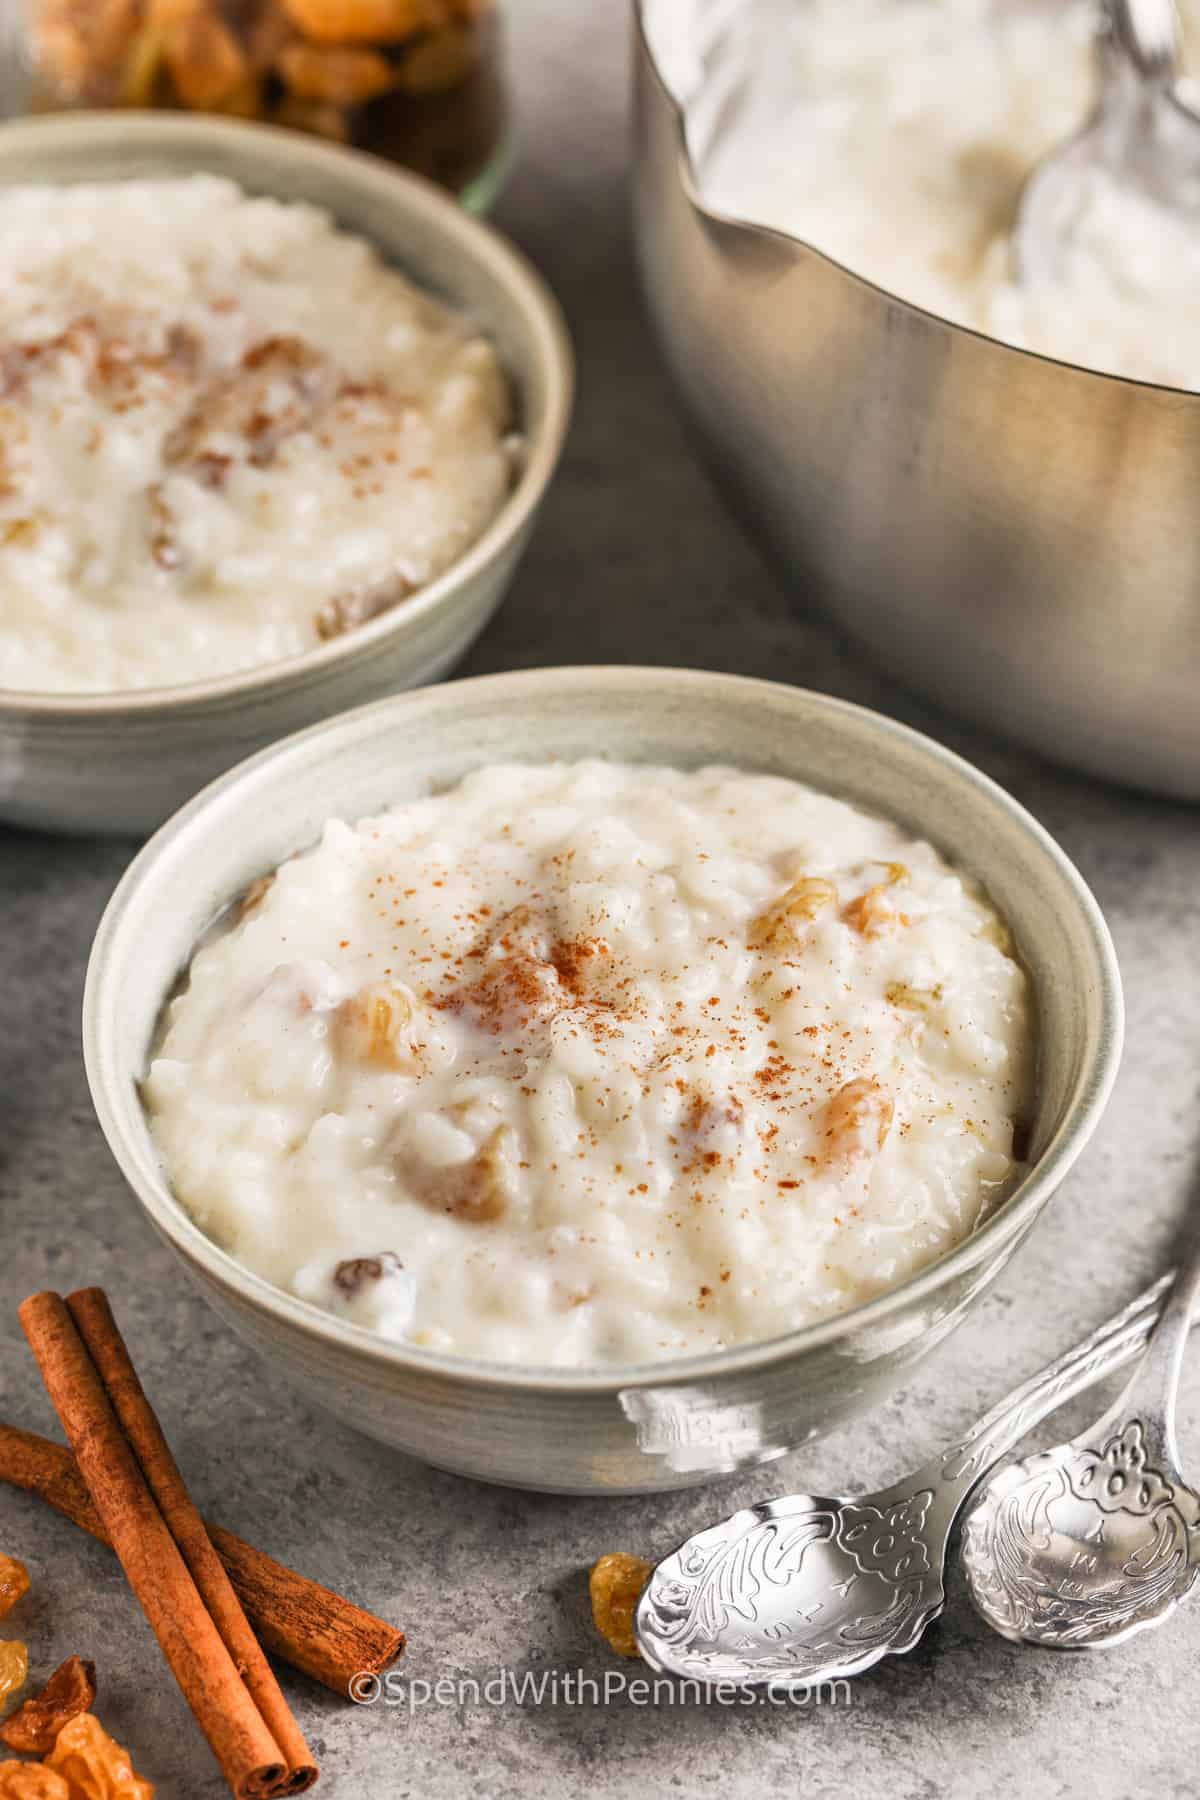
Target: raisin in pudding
{"x":587,"y":1064}
{"x":230,"y":433}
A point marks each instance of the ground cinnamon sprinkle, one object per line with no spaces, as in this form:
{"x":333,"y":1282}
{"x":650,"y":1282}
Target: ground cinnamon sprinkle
{"x":575,"y":962}
{"x":664,"y":1076}
{"x":529,"y":975}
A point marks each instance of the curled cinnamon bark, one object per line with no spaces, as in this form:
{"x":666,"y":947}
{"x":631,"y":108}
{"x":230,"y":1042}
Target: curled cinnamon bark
{"x":253,"y":1762}
{"x":317,"y":1631}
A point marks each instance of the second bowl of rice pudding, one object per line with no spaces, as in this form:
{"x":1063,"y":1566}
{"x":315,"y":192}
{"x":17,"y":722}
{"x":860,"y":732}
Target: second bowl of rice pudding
{"x":609,"y":1106}
{"x":277,"y":419}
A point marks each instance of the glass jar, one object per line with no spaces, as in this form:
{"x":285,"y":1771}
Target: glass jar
{"x":417,"y":81}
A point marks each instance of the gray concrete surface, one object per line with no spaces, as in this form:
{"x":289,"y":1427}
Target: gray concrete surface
{"x":636,"y":561}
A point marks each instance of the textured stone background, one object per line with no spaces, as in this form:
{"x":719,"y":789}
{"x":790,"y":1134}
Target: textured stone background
{"x":635,"y":561}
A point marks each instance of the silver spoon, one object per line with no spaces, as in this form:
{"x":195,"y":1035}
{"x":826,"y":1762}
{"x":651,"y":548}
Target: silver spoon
{"x":808,"y":1588}
{"x":1142,"y":133}
{"x":1084,"y":1544}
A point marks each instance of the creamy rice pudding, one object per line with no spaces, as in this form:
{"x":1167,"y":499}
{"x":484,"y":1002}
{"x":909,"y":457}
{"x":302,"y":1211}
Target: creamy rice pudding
{"x":585,"y":1064}
{"x":896,"y":135}
{"x":228,"y":431}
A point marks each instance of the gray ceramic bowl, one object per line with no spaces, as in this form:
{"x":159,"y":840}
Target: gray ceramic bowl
{"x":666,"y":1424}
{"x":124,"y":761}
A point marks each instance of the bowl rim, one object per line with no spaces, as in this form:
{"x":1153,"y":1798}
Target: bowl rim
{"x":689,"y":181}
{"x":1091,"y":1084}
{"x":431,"y":211}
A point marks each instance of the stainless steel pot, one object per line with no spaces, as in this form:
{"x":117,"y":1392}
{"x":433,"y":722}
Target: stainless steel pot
{"x":1017,"y":537}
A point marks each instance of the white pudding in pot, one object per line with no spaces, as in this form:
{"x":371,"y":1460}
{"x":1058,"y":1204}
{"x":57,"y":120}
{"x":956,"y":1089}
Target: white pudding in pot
{"x":230,"y":432}
{"x":896,"y":136}
{"x":588,"y":1064}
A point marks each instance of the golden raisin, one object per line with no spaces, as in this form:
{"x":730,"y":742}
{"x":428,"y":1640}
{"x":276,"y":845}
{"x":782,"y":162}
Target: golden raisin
{"x":205,"y":60}
{"x":912,"y":999}
{"x":478,"y":1190}
{"x":31,"y":1781}
{"x":14,"y":1669}
{"x":344,"y":76}
{"x":483,"y":1194}
{"x":615,"y":1585}
{"x":84,"y":45}
{"x":358,"y":21}
{"x":93,"y":1765}
{"x":265,"y":35}
{"x":856,"y":1120}
{"x":14,"y":1582}
{"x":872,"y":913}
{"x":143,"y":64}
{"x":344,"y":611}
{"x":781,"y":926}
{"x":375,"y":1026}
{"x":518,"y":984}
{"x":35,"y":1726}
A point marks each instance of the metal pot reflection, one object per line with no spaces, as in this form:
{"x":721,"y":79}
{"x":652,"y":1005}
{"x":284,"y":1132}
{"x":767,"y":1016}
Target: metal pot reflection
{"x":1011,"y":535}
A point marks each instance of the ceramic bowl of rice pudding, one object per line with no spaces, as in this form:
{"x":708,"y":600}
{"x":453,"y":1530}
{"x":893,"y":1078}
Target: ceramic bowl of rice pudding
{"x":611,"y":1102}
{"x":276,"y":423}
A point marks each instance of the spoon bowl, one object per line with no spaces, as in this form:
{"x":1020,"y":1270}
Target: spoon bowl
{"x":798,"y":1590}
{"x":810,"y":1588}
{"x":1085,"y":1544}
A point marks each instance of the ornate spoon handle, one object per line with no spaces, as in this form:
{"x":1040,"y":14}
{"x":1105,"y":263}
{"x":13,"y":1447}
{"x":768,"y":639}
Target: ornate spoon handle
{"x":1149,"y":1395}
{"x":1108,"y":1348}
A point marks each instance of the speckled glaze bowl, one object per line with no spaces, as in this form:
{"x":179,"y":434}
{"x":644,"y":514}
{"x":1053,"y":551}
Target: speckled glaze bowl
{"x":121,"y":762}
{"x":661,"y":1425}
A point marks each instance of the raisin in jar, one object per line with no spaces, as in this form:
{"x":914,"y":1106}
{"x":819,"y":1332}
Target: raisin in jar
{"x":417,"y":81}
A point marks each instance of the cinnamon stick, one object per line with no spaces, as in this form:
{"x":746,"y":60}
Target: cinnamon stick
{"x":250,"y":1758}
{"x":317,"y":1631}
{"x":96,"y":1326}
